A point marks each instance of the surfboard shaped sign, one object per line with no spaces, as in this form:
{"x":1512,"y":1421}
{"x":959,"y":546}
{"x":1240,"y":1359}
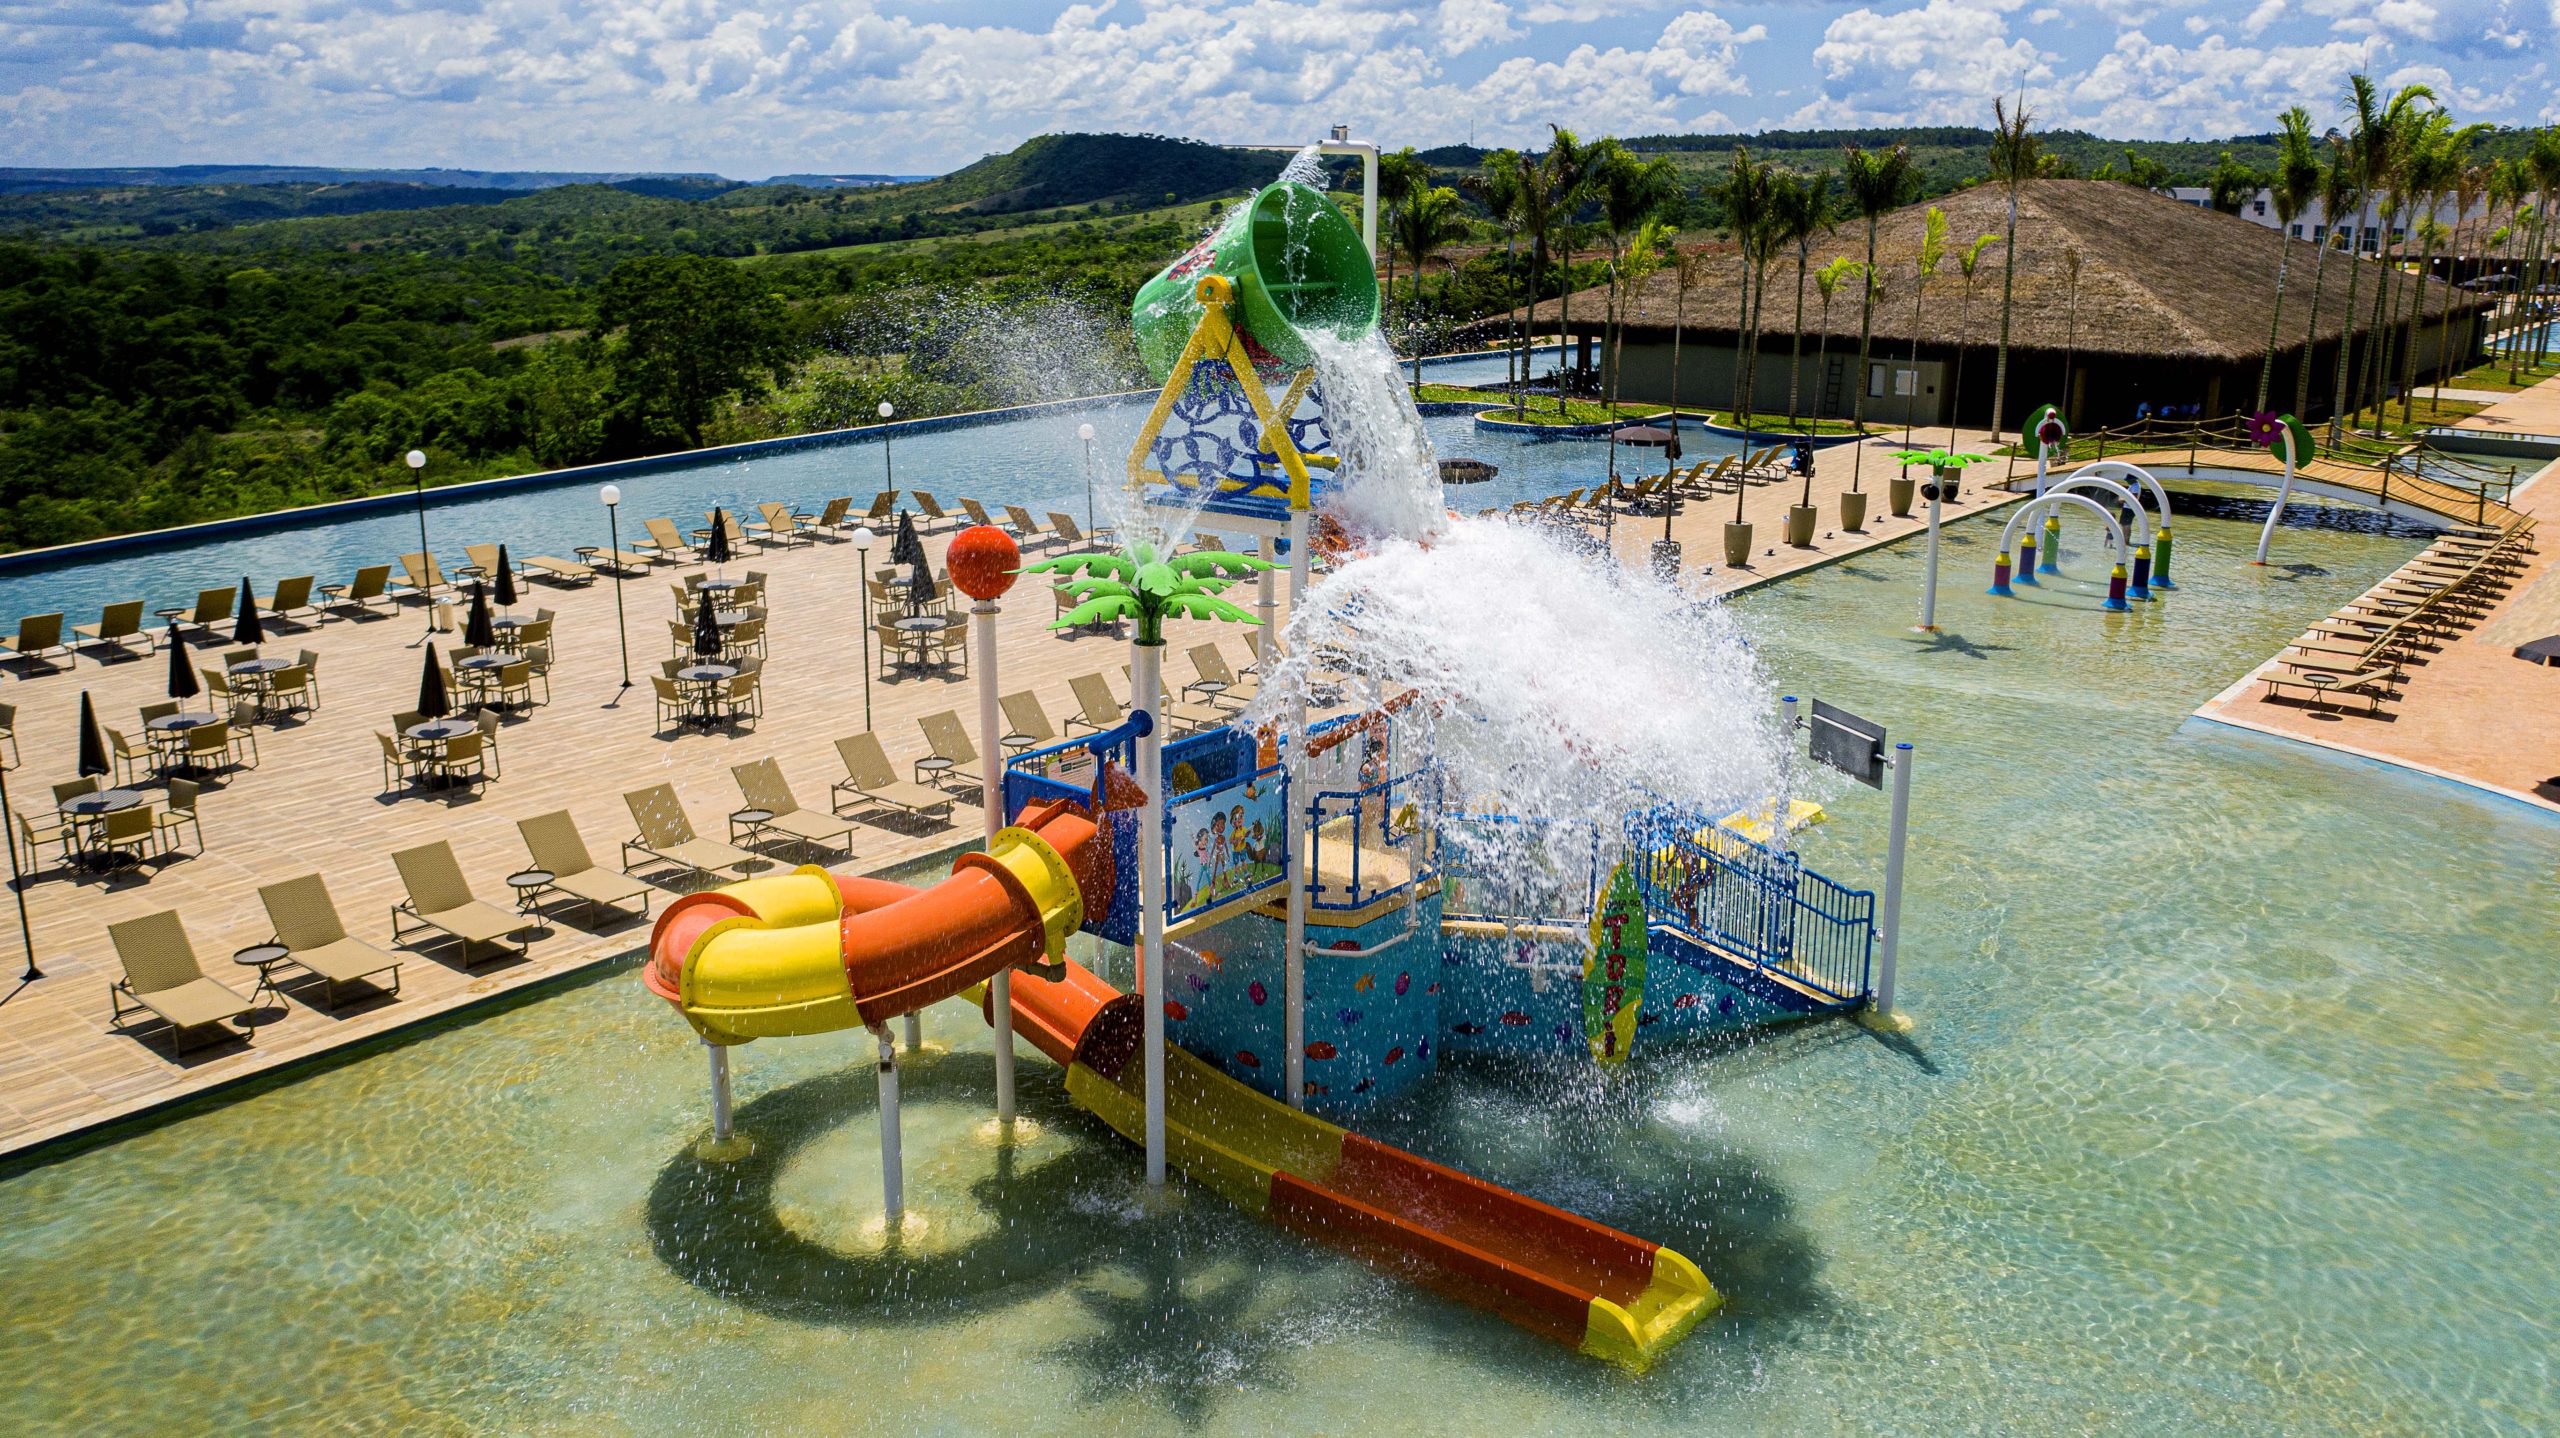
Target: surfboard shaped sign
{"x":1613,"y":969}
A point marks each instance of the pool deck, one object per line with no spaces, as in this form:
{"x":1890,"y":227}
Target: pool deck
{"x":313,"y":805}
{"x":2473,"y":713}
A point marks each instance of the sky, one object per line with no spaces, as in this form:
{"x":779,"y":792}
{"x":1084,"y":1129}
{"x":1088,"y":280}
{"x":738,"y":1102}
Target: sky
{"x":749,"y":88}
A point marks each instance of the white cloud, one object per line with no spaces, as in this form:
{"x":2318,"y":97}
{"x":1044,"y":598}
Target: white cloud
{"x":2048,"y":14}
{"x":2267,"y":13}
{"x":1940,"y":63}
{"x":1473,"y":24}
{"x":2141,"y":89}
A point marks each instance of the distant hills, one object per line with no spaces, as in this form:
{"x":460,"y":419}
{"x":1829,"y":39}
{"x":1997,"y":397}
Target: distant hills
{"x":19,"y":181}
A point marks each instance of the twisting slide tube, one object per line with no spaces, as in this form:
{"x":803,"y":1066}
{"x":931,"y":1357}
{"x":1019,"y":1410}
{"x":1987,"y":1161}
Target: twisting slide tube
{"x":811,"y":952}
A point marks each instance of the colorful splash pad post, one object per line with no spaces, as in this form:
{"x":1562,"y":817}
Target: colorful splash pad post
{"x":982,"y":560}
{"x":2291,"y":442}
{"x":1946,"y":471}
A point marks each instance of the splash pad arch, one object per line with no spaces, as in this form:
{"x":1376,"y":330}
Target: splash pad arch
{"x":2047,"y":507}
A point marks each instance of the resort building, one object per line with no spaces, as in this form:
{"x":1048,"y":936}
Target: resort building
{"x":2126,"y":303}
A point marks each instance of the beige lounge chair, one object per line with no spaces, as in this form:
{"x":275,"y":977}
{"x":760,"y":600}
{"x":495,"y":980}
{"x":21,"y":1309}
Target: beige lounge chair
{"x":440,"y":899}
{"x":870,"y":778}
{"x":628,"y":561}
{"x":1025,"y":528}
{"x":162,"y":977}
{"x":780,"y":525}
{"x":739,"y":537}
{"x":1071,"y":537}
{"x":949,"y":741}
{"x":978,"y":514}
{"x":292,"y":599}
{"x":307,"y":923}
{"x":371,"y":586}
{"x":213,"y":606}
{"x":1217,"y":683}
{"x":39,"y":635}
{"x":118,"y":626}
{"x":1180,"y":715}
{"x":761,"y":784}
{"x":561,"y":571}
{"x":667,"y":836}
{"x":665,"y":542}
{"x":1026,"y":721}
{"x":884,"y":508}
{"x":1096,"y":708}
{"x":931,"y":508}
{"x":831,"y":520}
{"x":555,"y":844}
{"x":422,"y":576}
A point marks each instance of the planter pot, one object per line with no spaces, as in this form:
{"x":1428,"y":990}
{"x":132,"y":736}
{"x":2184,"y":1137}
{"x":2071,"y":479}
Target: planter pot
{"x":1898,"y":495}
{"x":1666,"y":560}
{"x":1853,"y":509}
{"x":1800,"y":519}
{"x":1737,"y":544}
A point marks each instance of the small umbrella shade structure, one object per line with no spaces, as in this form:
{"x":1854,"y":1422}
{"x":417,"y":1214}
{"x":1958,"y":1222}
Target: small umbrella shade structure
{"x":921,"y":591}
{"x":706,"y":628}
{"x":906,"y":548}
{"x":433,"y":701}
{"x":506,"y":580}
{"x":477,"y":631}
{"x":717,"y":551}
{"x":93,"y":745}
{"x":247,"y":629}
{"x":1466,"y":471}
{"x":1643,"y":436}
{"x":183,"y":684}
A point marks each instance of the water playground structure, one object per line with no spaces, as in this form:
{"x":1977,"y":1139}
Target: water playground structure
{"x":1318,"y":917}
{"x":2139,"y":550}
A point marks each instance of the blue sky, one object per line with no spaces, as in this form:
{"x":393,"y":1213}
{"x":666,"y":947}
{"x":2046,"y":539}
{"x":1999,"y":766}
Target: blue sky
{"x":756,"y":87}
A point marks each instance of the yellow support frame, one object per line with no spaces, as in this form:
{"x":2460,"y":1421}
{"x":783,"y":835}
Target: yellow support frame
{"x":1215,"y":338}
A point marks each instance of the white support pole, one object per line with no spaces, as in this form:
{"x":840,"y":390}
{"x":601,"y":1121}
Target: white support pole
{"x":1293,"y":962}
{"x":1929,"y":581}
{"x":915,"y":1032}
{"x":982,"y":616}
{"x":1881,"y":999}
{"x":1146,"y":680}
{"x":893,"y":1177}
{"x":1268,"y":601}
{"x":2275,"y":516}
{"x":719,"y":1090}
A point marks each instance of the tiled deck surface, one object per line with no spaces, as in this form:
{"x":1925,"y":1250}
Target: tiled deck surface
{"x":314,"y":804}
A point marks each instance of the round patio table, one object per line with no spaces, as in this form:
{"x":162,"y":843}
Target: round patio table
{"x":529,"y":884}
{"x":705,"y":679}
{"x":266,"y":959}
{"x":720,"y":586}
{"x":252,"y":668}
{"x":88,"y":808}
{"x":441,"y":729}
{"x":922,"y":624}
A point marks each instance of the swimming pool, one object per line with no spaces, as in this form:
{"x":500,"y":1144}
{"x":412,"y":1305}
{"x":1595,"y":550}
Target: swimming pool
{"x":2229,"y":1108}
{"x":1034,"y":460}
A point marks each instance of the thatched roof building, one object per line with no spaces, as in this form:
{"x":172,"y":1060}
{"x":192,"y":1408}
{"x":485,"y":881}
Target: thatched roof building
{"x":2153,"y":301}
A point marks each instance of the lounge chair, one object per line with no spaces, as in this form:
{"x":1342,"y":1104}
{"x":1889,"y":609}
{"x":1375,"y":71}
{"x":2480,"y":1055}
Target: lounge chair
{"x":307,"y":924}
{"x":884,"y":508}
{"x":831,"y":521}
{"x":39,"y":636}
{"x":292,"y":599}
{"x":1070,"y":537}
{"x":667,"y":836}
{"x":1217,"y":683}
{"x":1096,"y":708}
{"x":422,"y":577}
{"x":560,"y":571}
{"x":162,"y":977}
{"x":213,"y":606}
{"x":556,"y":845}
{"x":978,"y":514}
{"x":117,"y":627}
{"x":1025,"y":528}
{"x":954,"y":757}
{"x":768,"y":795}
{"x":665,"y":542}
{"x":931,"y":508}
{"x":1179,"y":715}
{"x":870,"y":778}
{"x":371,"y":585}
{"x":739,"y":537}
{"x":440,"y":899}
{"x":781,"y":526}
{"x":1026,"y":724}
{"x":626,"y":560}
{"x":2373,"y":685}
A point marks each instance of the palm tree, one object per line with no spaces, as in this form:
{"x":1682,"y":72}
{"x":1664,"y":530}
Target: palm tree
{"x":1685,"y":266}
{"x":1630,"y":193}
{"x":1539,"y":206}
{"x":2370,"y":144}
{"x":1497,"y":185}
{"x":2338,"y":196}
{"x":2435,"y":168}
{"x":2297,"y":182}
{"x":1933,"y":248}
{"x":1761,"y":248}
{"x":1827,"y":281}
{"x":2543,"y":160}
{"x":1804,"y":210}
{"x":2016,"y":157}
{"x":2404,"y":139}
{"x":1400,"y":174}
{"x":1875,"y":184}
{"x":1967,"y":260}
{"x":1745,"y":194}
{"x":2070,"y":325}
{"x":1429,"y":220}
{"x":1568,"y":165}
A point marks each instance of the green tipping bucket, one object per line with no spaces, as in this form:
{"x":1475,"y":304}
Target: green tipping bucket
{"x":1297,"y":264}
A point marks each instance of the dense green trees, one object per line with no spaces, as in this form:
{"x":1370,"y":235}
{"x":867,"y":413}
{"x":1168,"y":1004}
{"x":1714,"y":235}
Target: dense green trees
{"x":688,"y":332}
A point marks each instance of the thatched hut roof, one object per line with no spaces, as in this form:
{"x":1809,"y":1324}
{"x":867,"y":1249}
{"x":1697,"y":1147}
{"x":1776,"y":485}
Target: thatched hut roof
{"x":2158,"y":280}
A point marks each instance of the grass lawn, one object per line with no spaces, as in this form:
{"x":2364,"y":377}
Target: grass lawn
{"x":1539,"y":408}
{"x":2493,"y":376}
{"x":2423,"y":414}
{"x":1779,"y":424}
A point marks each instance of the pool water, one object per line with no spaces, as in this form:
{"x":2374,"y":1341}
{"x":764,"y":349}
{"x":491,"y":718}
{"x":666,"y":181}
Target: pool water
{"x":2230,"y":1106}
{"x":1033,"y":460}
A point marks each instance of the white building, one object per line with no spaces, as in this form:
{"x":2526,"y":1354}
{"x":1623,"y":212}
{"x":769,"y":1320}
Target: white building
{"x":2312,"y":224}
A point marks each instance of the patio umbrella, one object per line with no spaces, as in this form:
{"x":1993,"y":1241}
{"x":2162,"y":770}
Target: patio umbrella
{"x":907,"y":548}
{"x":717,"y":551}
{"x":706,"y":628}
{"x":476,"y":630}
{"x":183,"y":684}
{"x":921,"y":590}
{"x":93,"y":745}
{"x":433,"y":701}
{"x":1643,"y":436}
{"x":506,"y":580}
{"x":248,"y":630}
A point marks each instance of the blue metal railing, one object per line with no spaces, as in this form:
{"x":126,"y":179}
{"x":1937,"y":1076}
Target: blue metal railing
{"x":1761,"y":904}
{"x":1388,"y":817}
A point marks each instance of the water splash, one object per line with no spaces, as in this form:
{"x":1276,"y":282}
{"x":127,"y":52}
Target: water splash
{"x":1389,"y":481}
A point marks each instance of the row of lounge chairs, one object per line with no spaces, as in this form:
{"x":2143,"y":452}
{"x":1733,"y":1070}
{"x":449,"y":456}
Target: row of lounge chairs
{"x":2364,"y":650}
{"x":1706,"y":477}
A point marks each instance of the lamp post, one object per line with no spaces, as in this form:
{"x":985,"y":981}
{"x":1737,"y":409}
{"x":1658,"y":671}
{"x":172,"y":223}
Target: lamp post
{"x":888,"y":463}
{"x":416,"y":459}
{"x":611,"y":494}
{"x":863,"y":539}
{"x":1085,"y":432}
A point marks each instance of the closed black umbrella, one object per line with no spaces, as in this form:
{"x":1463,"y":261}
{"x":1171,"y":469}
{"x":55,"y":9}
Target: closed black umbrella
{"x":248,"y":630}
{"x":477,"y":631}
{"x":717,"y":551}
{"x":93,"y":745}
{"x":706,"y":628}
{"x":921,"y":590}
{"x":433,"y":701}
{"x":506,"y":580}
{"x":907,"y":548}
{"x":183,"y":684}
